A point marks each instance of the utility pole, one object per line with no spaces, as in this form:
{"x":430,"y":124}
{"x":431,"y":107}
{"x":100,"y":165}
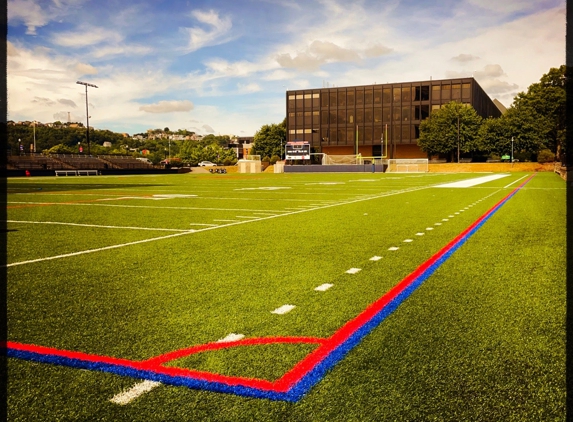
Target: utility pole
{"x":458,"y":136}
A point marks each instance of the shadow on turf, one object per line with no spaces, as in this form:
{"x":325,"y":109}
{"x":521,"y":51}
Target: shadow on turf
{"x":26,"y":188}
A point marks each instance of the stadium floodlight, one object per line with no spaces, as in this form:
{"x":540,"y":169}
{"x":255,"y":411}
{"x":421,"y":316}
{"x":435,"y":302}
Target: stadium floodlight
{"x":87,"y":114}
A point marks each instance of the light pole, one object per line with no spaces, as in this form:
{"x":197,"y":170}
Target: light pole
{"x":458,"y":136}
{"x":34,"y":136}
{"x":87,"y":114}
{"x":512,"y":149}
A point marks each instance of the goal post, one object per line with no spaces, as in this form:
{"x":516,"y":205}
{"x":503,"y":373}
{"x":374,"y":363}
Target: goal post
{"x":408,"y":165}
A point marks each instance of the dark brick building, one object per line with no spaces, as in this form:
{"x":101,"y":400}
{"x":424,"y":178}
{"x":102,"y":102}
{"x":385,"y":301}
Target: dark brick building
{"x":332,"y":118}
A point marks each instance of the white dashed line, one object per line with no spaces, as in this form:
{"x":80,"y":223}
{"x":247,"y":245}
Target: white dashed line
{"x":231,"y":337}
{"x":429,"y":228}
{"x":134,"y":392}
{"x":408,"y":240}
{"x":393,"y":248}
{"x":437,"y":224}
{"x":353,"y":270}
{"x":420,"y":234}
{"x":323,"y":287}
{"x":283,"y":309}
{"x":376,"y":258}
{"x":445,"y":219}
{"x":450,"y":216}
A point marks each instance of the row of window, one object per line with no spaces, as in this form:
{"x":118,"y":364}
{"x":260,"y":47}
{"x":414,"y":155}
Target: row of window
{"x":357,"y":116}
{"x":366,"y":135}
{"x":377,"y":96}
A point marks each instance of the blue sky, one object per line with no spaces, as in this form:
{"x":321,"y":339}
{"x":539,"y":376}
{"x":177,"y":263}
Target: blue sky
{"x":223,"y":66}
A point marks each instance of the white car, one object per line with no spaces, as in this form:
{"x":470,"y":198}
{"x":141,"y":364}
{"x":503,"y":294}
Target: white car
{"x":206,"y":164}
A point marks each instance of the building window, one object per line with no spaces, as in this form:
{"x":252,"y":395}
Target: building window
{"x":405,"y":133}
{"x":465,"y":91}
{"x":291,"y":102}
{"x":350,"y":134}
{"x":377,"y":115}
{"x":324,"y":99}
{"x":406,"y":97}
{"x":316,"y":118}
{"x":324,"y":117}
{"x":308,"y":118}
{"x":350,"y":98}
{"x":359,"y":116}
{"x":396,"y":95}
{"x":368,"y":97}
{"x":436,"y":93}
{"x":299,"y":118}
{"x":377,"y":137}
{"x":446,"y":92}
{"x":368,"y":115}
{"x":332,"y":98}
{"x":360,"y":98}
{"x":396,"y":114}
{"x":341,"y":134}
{"x":416,"y":132}
{"x":456,"y":91}
{"x":315,"y":100}
{"x":386,"y":114}
{"x":342,"y":116}
{"x":435,"y":107}
{"x":350,"y":115}
{"x":387,"y":95}
{"x":341,"y":98}
{"x":368,"y":134}
{"x":378,"y":97}
{"x":333,"y":117}
{"x":406,"y":114}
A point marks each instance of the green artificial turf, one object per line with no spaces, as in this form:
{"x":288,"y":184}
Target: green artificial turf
{"x":482,"y":339}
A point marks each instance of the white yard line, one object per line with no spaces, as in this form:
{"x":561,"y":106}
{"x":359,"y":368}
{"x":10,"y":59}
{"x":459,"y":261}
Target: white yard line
{"x":134,"y":392}
{"x":285,"y":214}
{"x":513,"y":183}
{"x":283,"y":309}
{"x":353,"y":271}
{"x":95,"y":225}
{"x":323,"y":287}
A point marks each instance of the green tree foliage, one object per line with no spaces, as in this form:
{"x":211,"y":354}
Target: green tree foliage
{"x":453,"y":125}
{"x":538,"y":115}
{"x":267,"y":141}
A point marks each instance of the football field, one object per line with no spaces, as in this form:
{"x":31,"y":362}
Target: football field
{"x":298,"y":297}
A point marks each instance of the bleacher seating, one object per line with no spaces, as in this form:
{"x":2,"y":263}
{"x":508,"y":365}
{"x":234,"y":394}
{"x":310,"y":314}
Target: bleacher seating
{"x":125,"y":162}
{"x":34,"y":162}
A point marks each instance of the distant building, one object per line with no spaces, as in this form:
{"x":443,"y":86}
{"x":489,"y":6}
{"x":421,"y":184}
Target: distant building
{"x":242,"y":146}
{"x":334,"y":120}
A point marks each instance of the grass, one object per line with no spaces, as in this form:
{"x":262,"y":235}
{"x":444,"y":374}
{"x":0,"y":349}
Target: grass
{"x":482,"y":339}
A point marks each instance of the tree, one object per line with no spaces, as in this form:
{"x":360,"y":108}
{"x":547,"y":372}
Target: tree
{"x":538,"y":116}
{"x":268,"y":140}
{"x":453,"y":129}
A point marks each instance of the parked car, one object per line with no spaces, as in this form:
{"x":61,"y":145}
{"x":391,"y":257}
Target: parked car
{"x":206,"y":164}
{"x":145,"y":160}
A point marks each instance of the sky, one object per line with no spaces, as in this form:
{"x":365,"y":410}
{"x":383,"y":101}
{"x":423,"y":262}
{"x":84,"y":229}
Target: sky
{"x":223,"y":66}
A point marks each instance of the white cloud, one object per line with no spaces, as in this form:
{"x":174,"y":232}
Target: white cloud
{"x":218,"y":32}
{"x":464,"y":58}
{"x":67,"y":102}
{"x":377,"y":50}
{"x":208,"y":129}
{"x":28,"y":12}
{"x":86,"y":37}
{"x":11,"y":50}
{"x":168,"y":107}
{"x":85,"y":69}
{"x":249,"y":88}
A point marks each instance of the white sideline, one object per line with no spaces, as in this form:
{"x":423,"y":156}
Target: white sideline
{"x":95,"y":225}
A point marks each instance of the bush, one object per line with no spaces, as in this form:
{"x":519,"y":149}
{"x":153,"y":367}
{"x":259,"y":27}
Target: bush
{"x":228,"y":162}
{"x":266,"y":159}
{"x":274,"y":159}
{"x":545,"y":156}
